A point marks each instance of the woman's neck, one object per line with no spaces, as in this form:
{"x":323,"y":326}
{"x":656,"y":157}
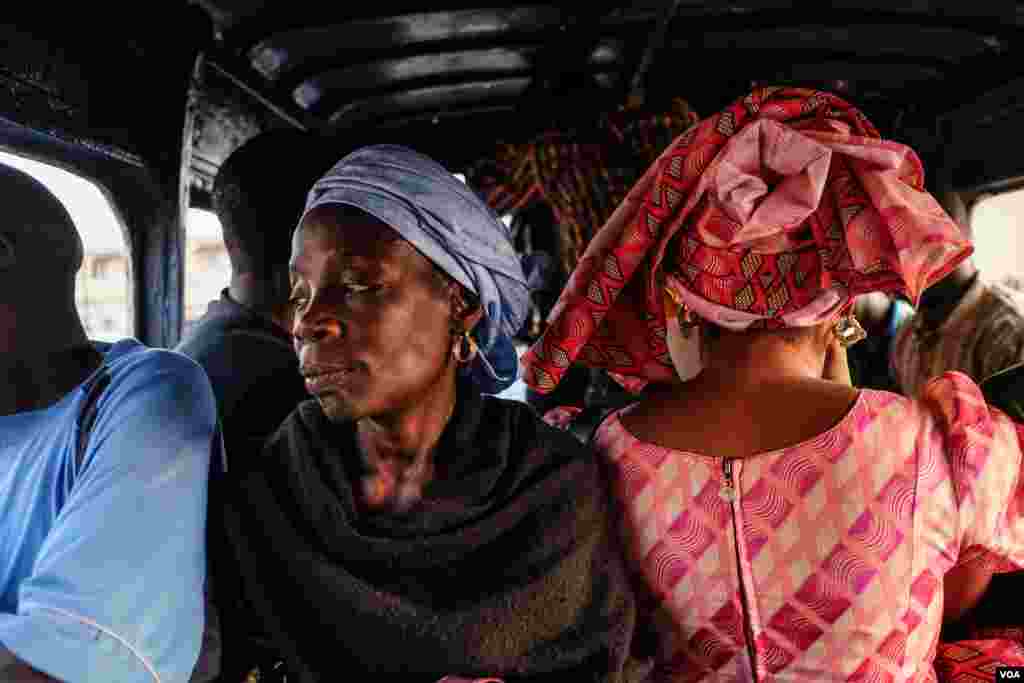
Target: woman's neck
{"x":739,"y":361}
{"x":756,"y":393}
{"x":398,"y":451}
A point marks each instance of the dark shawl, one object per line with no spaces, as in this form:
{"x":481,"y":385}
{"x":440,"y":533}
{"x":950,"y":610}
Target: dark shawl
{"x":509,"y":568}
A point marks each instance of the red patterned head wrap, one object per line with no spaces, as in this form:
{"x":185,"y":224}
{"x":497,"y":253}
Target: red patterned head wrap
{"x":773,"y":213}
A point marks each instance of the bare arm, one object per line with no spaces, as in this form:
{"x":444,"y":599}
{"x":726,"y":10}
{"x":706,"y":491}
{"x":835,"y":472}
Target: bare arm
{"x":963,"y":587}
{"x":13,"y":670}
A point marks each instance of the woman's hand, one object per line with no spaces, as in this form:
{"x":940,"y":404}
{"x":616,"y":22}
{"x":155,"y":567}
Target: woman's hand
{"x":837,"y":368}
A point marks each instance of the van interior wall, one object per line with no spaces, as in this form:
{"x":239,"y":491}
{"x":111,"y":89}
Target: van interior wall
{"x":103,"y":93}
{"x":106,"y":93}
{"x":980,"y":137}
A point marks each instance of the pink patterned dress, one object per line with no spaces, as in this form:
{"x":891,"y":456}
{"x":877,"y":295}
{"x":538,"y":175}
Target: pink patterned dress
{"x":823,"y":561}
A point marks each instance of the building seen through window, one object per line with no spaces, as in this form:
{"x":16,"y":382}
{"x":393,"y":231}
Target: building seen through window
{"x":997,"y":223}
{"x":103,"y":284}
{"x":207,"y":268}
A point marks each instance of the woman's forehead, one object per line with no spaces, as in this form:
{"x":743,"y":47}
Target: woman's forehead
{"x":351,"y":239}
{"x":346,"y":225}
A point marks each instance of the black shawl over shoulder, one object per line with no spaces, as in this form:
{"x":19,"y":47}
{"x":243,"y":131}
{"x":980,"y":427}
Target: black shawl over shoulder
{"x":510,"y":567}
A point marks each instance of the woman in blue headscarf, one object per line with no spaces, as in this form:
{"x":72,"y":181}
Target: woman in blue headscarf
{"x":403,"y":522}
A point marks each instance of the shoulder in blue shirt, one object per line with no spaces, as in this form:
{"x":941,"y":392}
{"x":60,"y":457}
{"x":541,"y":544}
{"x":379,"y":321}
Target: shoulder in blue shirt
{"x":102,"y":566}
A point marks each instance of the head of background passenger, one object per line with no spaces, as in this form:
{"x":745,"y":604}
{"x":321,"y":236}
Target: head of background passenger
{"x":402,"y":279}
{"x":769,"y":217}
{"x":258,"y":195}
{"x":40,"y":254}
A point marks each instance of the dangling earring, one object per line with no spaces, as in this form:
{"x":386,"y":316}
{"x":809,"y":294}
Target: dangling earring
{"x":848,"y":331}
{"x":465,"y":348}
{"x":684,"y":348}
{"x":686,"y":319}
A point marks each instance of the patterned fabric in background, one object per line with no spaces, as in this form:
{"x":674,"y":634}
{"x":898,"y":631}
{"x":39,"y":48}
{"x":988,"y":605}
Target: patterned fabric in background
{"x":581,"y":181}
{"x":773,"y":213}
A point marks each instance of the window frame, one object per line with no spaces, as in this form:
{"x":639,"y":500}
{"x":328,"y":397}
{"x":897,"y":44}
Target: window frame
{"x":101,"y":266}
{"x":150,"y":206}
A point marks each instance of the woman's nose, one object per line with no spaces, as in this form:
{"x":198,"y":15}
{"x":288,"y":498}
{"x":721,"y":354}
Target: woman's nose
{"x":315,"y":325}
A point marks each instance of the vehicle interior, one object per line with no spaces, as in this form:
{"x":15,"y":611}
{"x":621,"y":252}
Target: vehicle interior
{"x":146,"y":101}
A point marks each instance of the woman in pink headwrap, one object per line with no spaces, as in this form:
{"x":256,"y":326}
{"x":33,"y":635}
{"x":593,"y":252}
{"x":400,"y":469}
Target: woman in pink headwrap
{"x":786,"y":526}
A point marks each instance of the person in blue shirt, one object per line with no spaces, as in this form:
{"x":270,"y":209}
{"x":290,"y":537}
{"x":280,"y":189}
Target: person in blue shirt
{"x":102,"y":521}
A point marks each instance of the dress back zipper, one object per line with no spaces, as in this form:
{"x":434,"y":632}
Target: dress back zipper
{"x":729,"y":494}
{"x":728,"y":491}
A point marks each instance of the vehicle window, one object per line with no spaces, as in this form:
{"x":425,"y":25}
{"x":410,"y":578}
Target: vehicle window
{"x":997,"y":222}
{"x":207,"y":268}
{"x":103,"y":285}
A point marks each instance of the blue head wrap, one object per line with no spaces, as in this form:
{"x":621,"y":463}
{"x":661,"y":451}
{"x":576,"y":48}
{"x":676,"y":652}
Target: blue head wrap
{"x":449,"y":224}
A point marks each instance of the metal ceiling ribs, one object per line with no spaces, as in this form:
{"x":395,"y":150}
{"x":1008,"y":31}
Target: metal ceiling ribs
{"x":461,"y":68}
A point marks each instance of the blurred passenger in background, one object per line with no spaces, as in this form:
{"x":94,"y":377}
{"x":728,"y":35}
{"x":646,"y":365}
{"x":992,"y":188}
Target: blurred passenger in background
{"x":963,"y":323}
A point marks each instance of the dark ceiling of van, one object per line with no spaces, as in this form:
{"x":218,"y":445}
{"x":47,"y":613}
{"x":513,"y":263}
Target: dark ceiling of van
{"x":456,"y":76}
{"x":453,"y":77}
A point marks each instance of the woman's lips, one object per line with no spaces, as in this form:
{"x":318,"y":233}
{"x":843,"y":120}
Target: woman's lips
{"x":318,"y":382}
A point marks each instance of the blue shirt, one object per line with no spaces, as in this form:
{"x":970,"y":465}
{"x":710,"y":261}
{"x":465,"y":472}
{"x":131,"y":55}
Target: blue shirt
{"x":102,"y":566}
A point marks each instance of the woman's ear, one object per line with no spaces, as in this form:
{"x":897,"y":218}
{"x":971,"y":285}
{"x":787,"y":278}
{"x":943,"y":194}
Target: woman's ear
{"x":6,"y":252}
{"x":466,"y":313}
{"x":471,"y":315}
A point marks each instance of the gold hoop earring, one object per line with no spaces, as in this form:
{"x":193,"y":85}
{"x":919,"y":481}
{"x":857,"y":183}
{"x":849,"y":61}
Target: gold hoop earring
{"x":687,"y":320}
{"x":460,"y":351}
{"x":848,"y":331}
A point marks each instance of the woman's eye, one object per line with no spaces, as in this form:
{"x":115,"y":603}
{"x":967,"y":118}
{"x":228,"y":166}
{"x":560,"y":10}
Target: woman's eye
{"x":352,"y":288}
{"x":349,"y":289}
